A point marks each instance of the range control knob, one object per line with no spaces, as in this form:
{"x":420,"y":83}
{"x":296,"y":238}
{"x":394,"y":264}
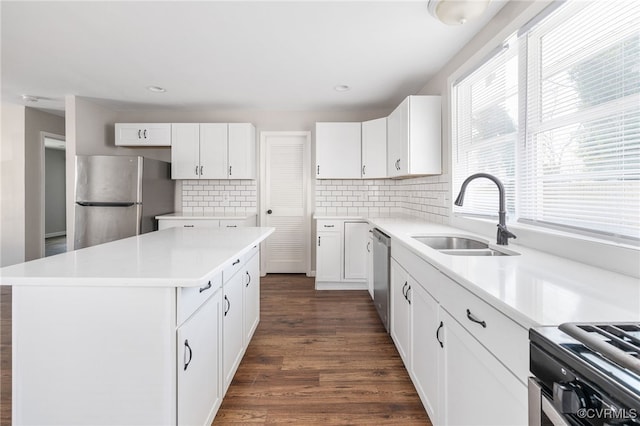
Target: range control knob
{"x":568,"y":398}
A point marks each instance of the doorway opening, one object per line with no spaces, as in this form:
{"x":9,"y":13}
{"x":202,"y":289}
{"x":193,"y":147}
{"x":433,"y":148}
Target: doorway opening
{"x":53,"y":202}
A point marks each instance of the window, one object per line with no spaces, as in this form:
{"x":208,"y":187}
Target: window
{"x":569,"y":150}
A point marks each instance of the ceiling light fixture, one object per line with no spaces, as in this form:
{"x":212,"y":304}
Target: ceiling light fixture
{"x":457,"y":12}
{"x":342,"y":88}
{"x":30,"y":98}
{"x":156,"y":89}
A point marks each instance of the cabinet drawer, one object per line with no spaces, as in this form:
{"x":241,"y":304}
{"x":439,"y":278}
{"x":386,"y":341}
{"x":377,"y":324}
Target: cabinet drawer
{"x":191,"y":298}
{"x":505,"y":339}
{"x":330,"y":225}
{"x":187,"y":223}
{"x":252,"y":252}
{"x":234,"y":223}
{"x":232,"y":267}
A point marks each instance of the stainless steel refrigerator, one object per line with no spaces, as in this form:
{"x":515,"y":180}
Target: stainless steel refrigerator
{"x":119,"y":196}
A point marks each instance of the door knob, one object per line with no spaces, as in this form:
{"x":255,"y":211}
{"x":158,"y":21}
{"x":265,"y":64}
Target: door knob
{"x":269,"y":211}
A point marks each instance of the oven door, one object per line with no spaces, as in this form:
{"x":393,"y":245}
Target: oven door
{"x":541,"y":409}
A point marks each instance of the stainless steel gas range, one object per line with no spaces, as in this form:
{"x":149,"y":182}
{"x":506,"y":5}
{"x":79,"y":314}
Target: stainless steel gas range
{"x":585,"y":374}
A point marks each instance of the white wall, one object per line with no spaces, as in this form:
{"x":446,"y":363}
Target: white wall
{"x":36,"y":121}
{"x":12,"y":185}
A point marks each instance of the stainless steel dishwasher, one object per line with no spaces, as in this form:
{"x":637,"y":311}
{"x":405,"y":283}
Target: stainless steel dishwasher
{"x":381,"y":256}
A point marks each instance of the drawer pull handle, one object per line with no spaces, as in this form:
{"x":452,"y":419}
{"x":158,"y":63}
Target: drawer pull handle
{"x":328,"y":226}
{"x":232,"y":226}
{"x":206,"y":287}
{"x":438,"y":334}
{"x":186,"y":346}
{"x":475,"y":319}
{"x":226,"y":311}
{"x":248,"y":279}
{"x":188,"y":226}
{"x":236,"y":262}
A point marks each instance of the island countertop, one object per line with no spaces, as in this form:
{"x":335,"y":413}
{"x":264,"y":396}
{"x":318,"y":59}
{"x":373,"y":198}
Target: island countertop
{"x":174,"y":257}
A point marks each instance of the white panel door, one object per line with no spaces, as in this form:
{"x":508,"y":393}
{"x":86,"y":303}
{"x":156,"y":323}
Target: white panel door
{"x":213,"y":150}
{"x":374,"y":148}
{"x":338,"y":150}
{"x":199,"y":385}
{"x":494,"y":396}
{"x":285,"y":191}
{"x":185,"y":151}
{"x":356,"y":237}
{"x":242,"y":151}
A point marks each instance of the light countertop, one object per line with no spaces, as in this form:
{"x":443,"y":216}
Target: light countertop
{"x":205,"y":216}
{"x":534,"y":288}
{"x":174,"y":257}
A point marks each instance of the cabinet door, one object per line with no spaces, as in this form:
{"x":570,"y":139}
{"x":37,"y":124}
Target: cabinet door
{"x":356,"y":236}
{"x":400,"y":311}
{"x":338,"y":150}
{"x":370,"y":264}
{"x":397,"y":143}
{"x":185,"y":151}
{"x":213,"y":150}
{"x":232,"y":334}
{"x":374,"y":148}
{"x":143,"y":134}
{"x":198,"y":358}
{"x":425,"y":348}
{"x":476,"y":388}
{"x":251,"y":297}
{"x":328,"y":256}
{"x":242,"y":151}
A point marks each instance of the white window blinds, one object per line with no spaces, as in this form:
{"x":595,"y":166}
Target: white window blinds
{"x":568,"y":151}
{"x":581,"y":156}
{"x":485,"y":132}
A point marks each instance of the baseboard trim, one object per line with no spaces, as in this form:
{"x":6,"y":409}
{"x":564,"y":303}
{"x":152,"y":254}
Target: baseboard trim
{"x":55,"y":234}
{"x":338,"y":285}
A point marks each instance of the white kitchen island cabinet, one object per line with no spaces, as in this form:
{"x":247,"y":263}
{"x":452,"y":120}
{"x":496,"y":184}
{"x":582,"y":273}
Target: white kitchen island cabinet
{"x":128,"y":332}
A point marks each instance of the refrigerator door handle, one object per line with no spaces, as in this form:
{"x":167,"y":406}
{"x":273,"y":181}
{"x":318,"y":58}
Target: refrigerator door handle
{"x":99,"y":204}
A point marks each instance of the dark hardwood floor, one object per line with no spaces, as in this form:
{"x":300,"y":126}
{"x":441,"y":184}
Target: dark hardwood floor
{"x":318,"y":357}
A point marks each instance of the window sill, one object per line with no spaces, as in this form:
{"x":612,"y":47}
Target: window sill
{"x":609,"y":255}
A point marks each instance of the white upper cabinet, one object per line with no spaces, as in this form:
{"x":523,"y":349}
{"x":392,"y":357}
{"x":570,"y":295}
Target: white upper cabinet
{"x":338,"y":150}
{"x":143,"y":134}
{"x":213,"y":151}
{"x":414,"y":137}
{"x":374,"y":149}
{"x":185,"y":151}
{"x":242,"y":151}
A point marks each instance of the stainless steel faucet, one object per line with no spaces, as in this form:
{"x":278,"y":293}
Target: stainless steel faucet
{"x":503,"y":233}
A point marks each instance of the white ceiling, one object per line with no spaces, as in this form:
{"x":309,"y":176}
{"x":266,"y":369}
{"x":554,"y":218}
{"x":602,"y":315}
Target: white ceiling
{"x":234,"y":54}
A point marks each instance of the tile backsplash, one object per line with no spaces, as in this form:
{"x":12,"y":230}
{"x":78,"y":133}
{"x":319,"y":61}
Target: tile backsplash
{"x":424,"y":197}
{"x":219,"y":196}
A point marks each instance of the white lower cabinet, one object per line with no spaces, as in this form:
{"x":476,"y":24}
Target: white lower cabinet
{"x":476,"y":389}
{"x":467,"y":360}
{"x":198,"y":359}
{"x":425,"y":348}
{"x":401,"y":311}
{"x":213,"y":222}
{"x":232,"y":327}
{"x":251,"y":298}
{"x":341,"y":254}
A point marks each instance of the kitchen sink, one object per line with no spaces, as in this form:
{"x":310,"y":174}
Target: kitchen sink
{"x":451,"y":243}
{"x":461,"y":246}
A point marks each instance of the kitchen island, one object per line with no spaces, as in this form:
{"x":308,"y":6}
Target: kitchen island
{"x":144,"y":330}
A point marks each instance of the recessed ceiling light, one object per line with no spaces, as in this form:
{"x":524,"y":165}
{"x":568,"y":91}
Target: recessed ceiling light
{"x":29,"y":98}
{"x":156,"y":89}
{"x":342,"y":88}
